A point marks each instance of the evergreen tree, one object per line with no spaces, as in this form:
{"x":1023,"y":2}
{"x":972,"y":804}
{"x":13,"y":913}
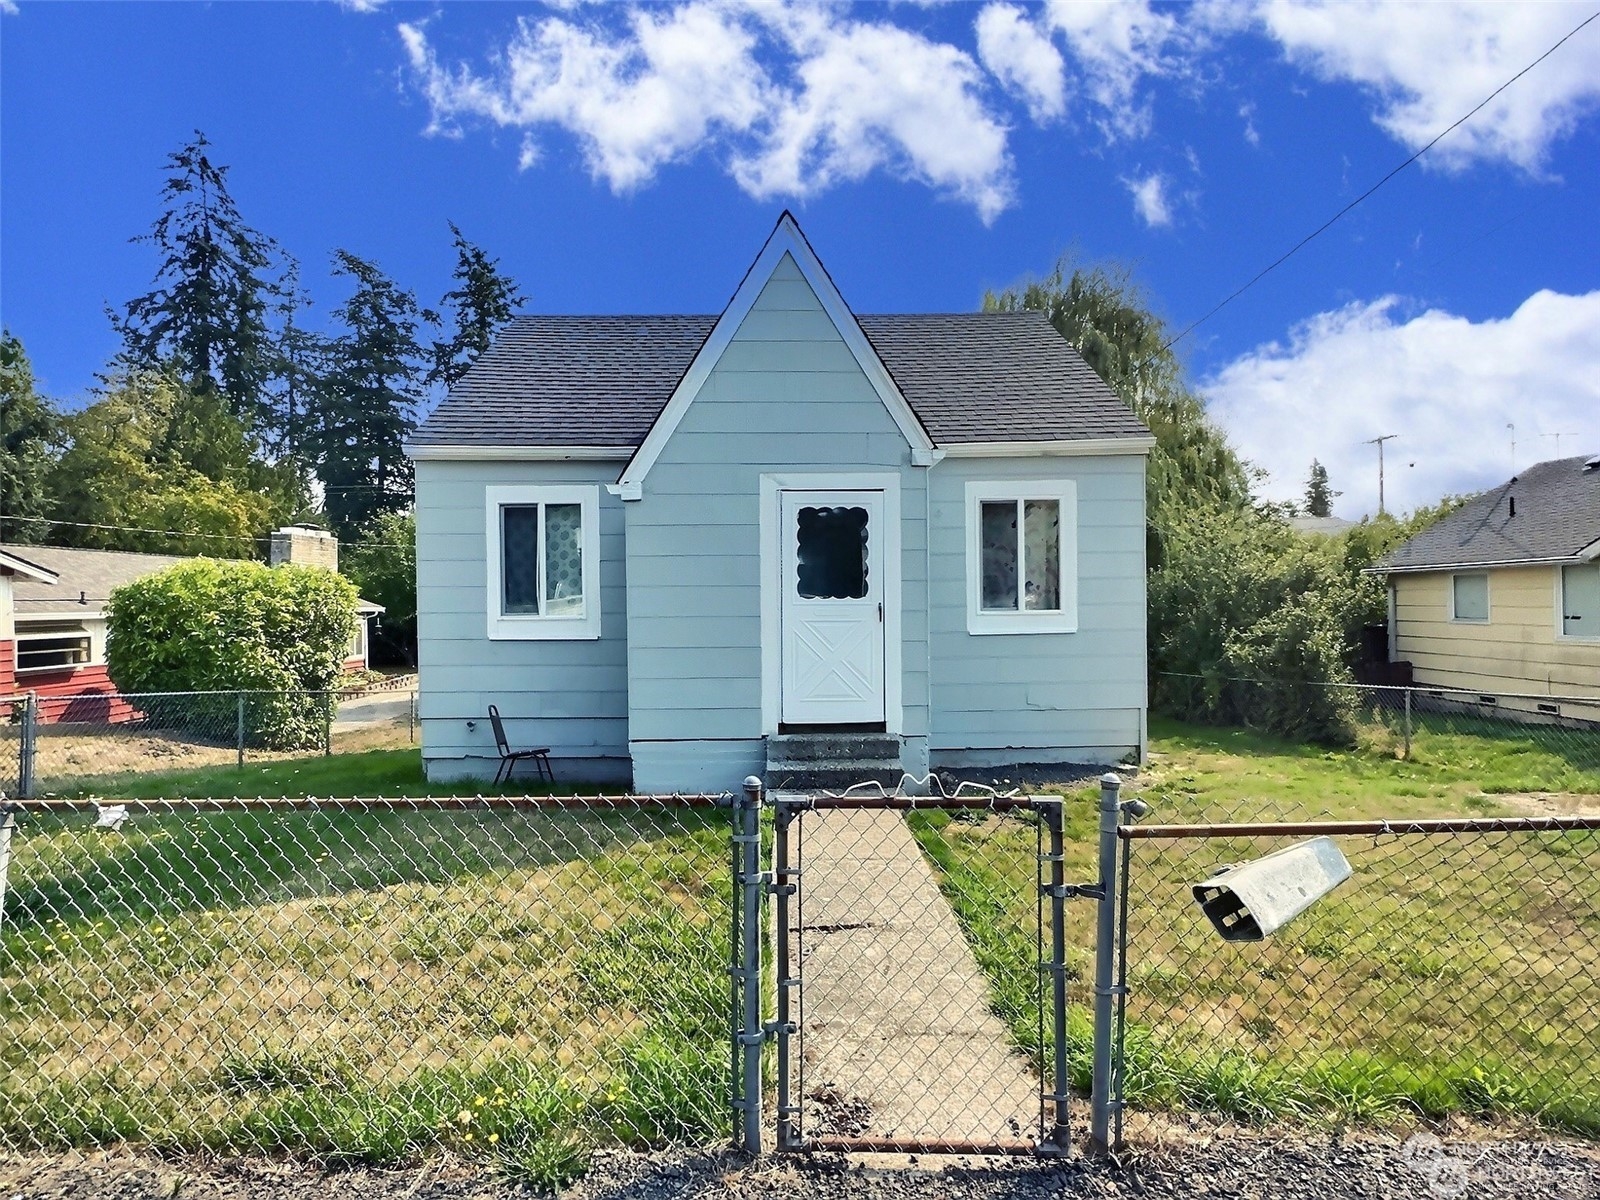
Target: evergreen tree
{"x":215,"y":287}
{"x":1319,"y":496}
{"x":482,"y":301}
{"x":29,"y":430}
{"x":302,"y":362}
{"x":367,"y":400}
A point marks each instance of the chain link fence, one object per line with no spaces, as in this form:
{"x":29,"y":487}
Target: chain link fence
{"x":511,"y":979}
{"x":1456,"y":971}
{"x":920,"y":961}
{"x":112,"y":743}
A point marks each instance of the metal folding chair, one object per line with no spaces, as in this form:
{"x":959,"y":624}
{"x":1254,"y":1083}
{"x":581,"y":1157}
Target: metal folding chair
{"x":509,"y":758}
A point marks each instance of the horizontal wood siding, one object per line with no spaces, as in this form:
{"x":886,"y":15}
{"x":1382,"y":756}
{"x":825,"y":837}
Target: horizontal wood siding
{"x":1518,"y":650}
{"x":1043,"y":696}
{"x":786,"y":395}
{"x":568,"y":695}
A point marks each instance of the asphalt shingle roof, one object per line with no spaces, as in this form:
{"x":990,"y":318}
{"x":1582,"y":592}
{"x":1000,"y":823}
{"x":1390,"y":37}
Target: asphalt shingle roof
{"x":1558,"y":514}
{"x":601,"y":381}
{"x":90,"y":574}
{"x":86,"y":578}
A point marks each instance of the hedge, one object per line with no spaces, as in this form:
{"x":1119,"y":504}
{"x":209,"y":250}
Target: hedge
{"x":208,"y":625}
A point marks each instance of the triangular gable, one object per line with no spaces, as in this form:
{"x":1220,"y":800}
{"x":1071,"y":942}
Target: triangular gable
{"x":11,"y":564}
{"x":786,"y":239}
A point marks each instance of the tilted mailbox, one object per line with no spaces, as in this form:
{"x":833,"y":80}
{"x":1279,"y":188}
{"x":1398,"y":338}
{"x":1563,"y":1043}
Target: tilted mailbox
{"x":1248,"y":901}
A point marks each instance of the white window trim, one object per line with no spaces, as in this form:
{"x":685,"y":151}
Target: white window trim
{"x":1488,"y":600}
{"x":22,"y":639}
{"x":1561,"y":609}
{"x":534,"y":627}
{"x":981,"y":622}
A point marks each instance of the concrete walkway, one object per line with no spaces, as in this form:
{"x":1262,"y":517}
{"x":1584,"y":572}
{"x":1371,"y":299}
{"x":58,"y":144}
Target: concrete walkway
{"x":897,"y":1032}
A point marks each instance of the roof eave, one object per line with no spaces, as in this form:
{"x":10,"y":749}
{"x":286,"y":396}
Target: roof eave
{"x":1139,"y":444}
{"x":1565,"y":560}
{"x":461,"y":452}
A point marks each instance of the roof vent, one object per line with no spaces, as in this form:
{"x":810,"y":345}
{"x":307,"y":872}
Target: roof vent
{"x":1593,"y":464}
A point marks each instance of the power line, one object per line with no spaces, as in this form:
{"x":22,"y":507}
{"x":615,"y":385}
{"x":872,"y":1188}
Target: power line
{"x":1331,"y":221}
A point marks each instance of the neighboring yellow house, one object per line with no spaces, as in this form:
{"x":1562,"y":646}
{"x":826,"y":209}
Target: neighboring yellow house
{"x":1502,"y":597}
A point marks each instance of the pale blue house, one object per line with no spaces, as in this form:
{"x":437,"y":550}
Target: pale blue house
{"x":679,"y":550}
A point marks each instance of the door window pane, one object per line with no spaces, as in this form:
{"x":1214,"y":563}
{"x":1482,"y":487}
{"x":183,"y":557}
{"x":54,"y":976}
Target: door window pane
{"x":831,"y":553}
{"x":998,"y":542}
{"x":563,"y":556}
{"x":519,"y":559}
{"x":1580,"y":601}
{"x":1471,"y":597}
{"x":1041,"y":524}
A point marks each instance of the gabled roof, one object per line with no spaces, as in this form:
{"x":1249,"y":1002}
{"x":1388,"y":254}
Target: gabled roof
{"x":1557,"y":521}
{"x":16,"y":565}
{"x":85,"y":578}
{"x":582,"y":381}
{"x":596,"y":386}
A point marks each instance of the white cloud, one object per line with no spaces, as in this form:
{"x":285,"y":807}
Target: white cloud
{"x":672,"y":83}
{"x":1023,"y":59}
{"x":1247,"y":113}
{"x":1446,"y":385}
{"x":8,"y":8}
{"x":1429,"y":64}
{"x":1150,"y":199}
{"x":360,"y":6}
{"x":1115,"y":45}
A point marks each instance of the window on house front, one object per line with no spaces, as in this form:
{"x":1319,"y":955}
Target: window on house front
{"x":52,"y":650}
{"x":543,"y":562}
{"x":1469,"y":597}
{"x":1022,"y":557}
{"x":1580,"y":601}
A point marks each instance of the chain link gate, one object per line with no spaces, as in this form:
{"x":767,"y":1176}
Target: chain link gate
{"x":921,"y":973}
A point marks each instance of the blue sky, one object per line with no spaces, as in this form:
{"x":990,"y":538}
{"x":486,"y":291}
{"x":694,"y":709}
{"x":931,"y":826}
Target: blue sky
{"x":621,"y":159}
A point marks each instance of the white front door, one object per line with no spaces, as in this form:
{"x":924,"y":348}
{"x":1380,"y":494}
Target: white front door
{"x":831,"y":580}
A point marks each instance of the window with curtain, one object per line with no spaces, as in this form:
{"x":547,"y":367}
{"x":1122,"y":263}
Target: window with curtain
{"x":542,"y":553}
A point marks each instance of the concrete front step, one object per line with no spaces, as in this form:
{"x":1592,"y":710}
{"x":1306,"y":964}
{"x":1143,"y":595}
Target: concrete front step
{"x":838,"y":747}
{"x":831,"y":775}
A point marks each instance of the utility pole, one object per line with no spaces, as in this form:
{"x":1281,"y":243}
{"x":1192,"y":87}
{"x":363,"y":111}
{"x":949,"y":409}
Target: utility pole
{"x":1512,"y":425}
{"x":1558,"y":437}
{"x":1378,"y":442}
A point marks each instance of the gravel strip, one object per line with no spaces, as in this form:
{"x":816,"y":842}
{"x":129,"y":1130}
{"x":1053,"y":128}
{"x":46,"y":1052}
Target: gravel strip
{"x":1236,"y":1167}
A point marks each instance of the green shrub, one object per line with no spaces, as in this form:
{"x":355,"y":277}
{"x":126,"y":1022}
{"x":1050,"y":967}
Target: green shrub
{"x":1248,"y":619}
{"x":205,"y":625}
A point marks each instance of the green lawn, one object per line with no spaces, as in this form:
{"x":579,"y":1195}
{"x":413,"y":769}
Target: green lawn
{"x":518,"y":986}
{"x":363,"y":773}
{"x":1451,"y":974}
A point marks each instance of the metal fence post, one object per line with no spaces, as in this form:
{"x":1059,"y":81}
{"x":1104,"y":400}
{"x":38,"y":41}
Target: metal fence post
{"x":411,"y":728}
{"x":1407,"y":754}
{"x":785,"y":885}
{"x":238,"y":726}
{"x":8,"y":822}
{"x":1059,"y":1137}
{"x":27,"y":746}
{"x":750,"y":1036}
{"x":1105,"y":956}
{"x":330,"y":701}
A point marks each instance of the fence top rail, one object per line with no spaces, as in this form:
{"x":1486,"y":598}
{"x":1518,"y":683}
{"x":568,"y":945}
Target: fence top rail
{"x":55,"y":805}
{"x":909,"y":803}
{"x":1363,"y":828}
{"x":1427,"y":689}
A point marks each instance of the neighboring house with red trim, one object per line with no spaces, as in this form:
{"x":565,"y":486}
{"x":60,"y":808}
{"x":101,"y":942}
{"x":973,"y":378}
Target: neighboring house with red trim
{"x":53,"y":618}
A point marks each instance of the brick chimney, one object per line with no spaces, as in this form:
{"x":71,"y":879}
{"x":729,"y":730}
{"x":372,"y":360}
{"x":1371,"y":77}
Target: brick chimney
{"x":304,"y":546}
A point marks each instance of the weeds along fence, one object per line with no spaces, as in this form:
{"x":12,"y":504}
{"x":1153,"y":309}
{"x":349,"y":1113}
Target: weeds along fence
{"x":1456,"y":970}
{"x":1420,"y":722}
{"x":512,"y":979}
{"x":111,"y":742}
